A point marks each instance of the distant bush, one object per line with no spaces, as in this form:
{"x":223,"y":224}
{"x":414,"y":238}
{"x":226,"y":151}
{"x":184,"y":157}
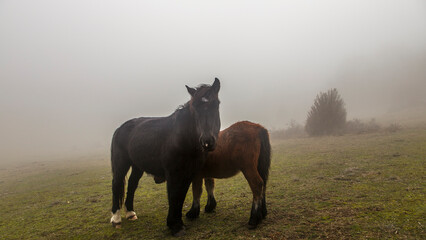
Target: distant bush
{"x":294,"y":130}
{"x":356,"y":126}
{"x":277,"y":134}
{"x":327,"y":116}
{"x":394,"y":127}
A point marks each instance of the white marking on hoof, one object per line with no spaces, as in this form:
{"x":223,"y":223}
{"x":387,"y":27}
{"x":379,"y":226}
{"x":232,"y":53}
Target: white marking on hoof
{"x":116,"y":219}
{"x":131,"y":215}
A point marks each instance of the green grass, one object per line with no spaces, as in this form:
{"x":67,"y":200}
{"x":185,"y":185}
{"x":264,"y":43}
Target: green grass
{"x":369,"y":186}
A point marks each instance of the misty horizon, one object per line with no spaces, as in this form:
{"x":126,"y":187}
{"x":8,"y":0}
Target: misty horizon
{"x":71,"y":72}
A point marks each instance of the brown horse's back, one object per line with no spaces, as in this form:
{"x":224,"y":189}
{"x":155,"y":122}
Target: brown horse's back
{"x":238,"y":147}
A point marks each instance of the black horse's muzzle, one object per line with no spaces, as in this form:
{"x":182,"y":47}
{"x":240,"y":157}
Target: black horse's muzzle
{"x":208,"y":143}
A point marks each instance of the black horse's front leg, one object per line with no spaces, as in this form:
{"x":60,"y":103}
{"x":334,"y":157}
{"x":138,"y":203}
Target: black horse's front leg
{"x":177,"y":187}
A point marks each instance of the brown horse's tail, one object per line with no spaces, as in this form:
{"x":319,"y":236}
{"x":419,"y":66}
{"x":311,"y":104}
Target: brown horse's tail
{"x":264,"y":161}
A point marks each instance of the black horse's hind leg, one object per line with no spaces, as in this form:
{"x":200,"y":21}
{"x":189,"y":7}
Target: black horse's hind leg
{"x":120,"y":166}
{"x":177,"y":187}
{"x":197,"y":190}
{"x":211,"y":201}
{"x":118,"y":183}
{"x":131,"y":188}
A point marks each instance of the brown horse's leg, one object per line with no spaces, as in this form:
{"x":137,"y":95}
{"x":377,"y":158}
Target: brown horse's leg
{"x":211,"y":201}
{"x":264,"y":210}
{"x":256,"y":185}
{"x":197,"y":189}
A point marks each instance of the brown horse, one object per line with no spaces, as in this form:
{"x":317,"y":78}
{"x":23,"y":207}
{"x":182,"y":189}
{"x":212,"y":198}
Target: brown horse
{"x":243,"y":147}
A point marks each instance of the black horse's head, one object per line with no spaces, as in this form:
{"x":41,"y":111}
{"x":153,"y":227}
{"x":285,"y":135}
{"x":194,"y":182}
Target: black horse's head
{"x":204,"y":107}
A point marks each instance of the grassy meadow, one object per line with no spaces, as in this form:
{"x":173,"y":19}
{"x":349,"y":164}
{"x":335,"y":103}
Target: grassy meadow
{"x":367,"y":186}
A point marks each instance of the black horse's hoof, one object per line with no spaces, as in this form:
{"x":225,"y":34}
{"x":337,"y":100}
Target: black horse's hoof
{"x":116,"y":225}
{"x":252,"y":226}
{"x":159,"y":179}
{"x":193,"y":213}
{"x":179,"y":232}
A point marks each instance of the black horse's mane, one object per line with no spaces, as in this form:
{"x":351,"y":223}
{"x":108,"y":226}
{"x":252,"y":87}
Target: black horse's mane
{"x":181,"y":107}
{"x":200,"y":88}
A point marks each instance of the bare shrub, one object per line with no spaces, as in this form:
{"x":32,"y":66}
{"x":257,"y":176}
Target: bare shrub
{"x":394,"y":127}
{"x":328,"y":114}
{"x":294,"y":130}
{"x":277,"y":134}
{"x":356,"y":126}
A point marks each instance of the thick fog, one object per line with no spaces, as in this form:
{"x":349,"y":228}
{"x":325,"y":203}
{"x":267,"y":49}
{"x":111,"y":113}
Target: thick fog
{"x":72,"y":71}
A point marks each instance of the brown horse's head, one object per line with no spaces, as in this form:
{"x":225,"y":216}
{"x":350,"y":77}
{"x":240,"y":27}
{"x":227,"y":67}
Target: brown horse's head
{"x":204,"y":107}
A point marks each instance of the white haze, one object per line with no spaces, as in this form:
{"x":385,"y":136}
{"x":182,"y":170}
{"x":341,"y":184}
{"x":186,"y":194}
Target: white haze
{"x":73,"y":71}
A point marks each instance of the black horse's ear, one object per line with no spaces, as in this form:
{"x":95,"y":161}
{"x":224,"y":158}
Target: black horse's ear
{"x":190,"y":90}
{"x":216,"y":85}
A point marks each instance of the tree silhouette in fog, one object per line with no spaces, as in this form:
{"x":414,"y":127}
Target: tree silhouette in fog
{"x":327,"y":115}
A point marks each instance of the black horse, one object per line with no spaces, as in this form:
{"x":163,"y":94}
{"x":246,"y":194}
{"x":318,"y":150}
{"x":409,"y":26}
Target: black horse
{"x":171,"y":148}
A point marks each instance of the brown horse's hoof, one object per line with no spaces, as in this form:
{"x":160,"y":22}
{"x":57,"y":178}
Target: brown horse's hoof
{"x":193,"y":213}
{"x":211,"y":204}
{"x":254,"y":221}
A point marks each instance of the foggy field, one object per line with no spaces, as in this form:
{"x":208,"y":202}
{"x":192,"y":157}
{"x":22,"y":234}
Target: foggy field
{"x":71,"y":72}
{"x":343,"y":187}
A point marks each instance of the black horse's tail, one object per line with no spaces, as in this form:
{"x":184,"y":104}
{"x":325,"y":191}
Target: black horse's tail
{"x":119,"y":167}
{"x":264,"y":161}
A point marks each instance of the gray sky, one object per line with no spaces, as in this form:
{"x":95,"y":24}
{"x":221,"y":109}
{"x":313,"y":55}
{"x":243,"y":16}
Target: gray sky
{"x":73,"y":71}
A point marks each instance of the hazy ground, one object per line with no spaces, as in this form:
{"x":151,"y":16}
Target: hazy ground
{"x":71,"y":72}
{"x":343,"y":187}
